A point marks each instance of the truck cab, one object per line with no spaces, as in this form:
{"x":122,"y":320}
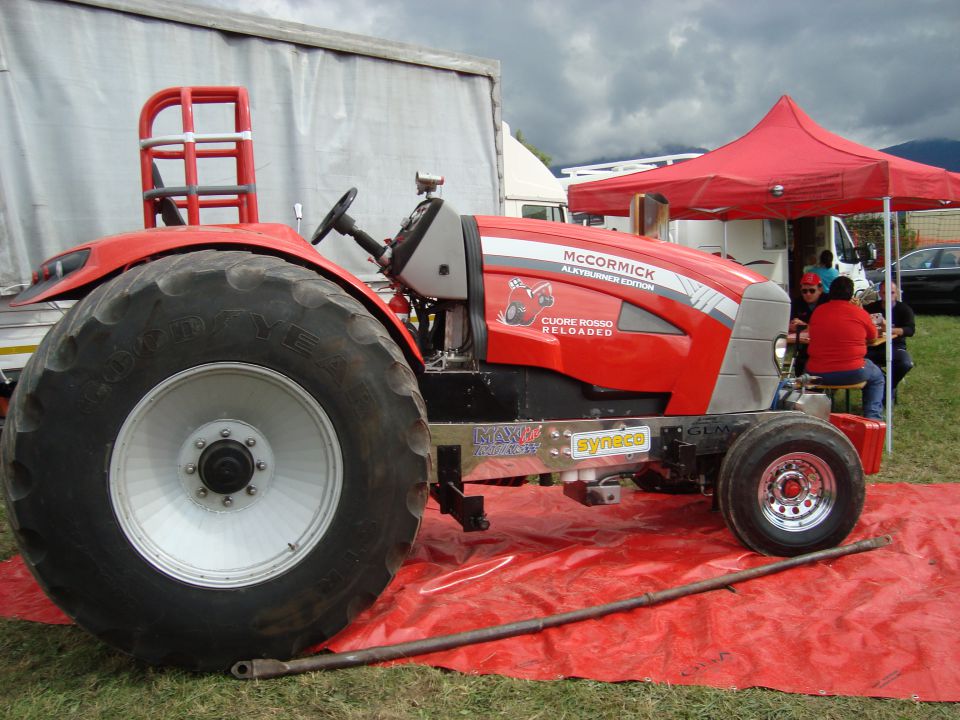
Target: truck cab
{"x":530,"y":189}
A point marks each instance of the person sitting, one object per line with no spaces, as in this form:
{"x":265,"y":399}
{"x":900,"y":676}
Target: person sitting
{"x":839,"y":331}
{"x":811,"y":297}
{"x":825,"y":269}
{"x":904,"y":325}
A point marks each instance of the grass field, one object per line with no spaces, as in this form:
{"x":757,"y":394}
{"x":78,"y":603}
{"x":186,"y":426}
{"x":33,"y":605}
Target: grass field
{"x":56,"y":671}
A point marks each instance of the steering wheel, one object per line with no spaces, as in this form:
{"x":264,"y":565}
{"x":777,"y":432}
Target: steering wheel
{"x":336,"y":212}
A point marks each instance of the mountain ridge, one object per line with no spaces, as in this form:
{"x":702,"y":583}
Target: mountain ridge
{"x":939,"y":152}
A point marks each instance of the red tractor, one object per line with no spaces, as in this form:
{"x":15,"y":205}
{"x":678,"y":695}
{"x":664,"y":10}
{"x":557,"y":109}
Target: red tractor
{"x":224,"y":450}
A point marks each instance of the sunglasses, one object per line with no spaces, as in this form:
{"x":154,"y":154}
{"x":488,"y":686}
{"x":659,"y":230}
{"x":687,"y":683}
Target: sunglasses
{"x":808,"y":291}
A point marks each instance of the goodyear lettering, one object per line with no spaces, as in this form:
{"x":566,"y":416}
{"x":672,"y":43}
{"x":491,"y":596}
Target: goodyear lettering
{"x":119,"y":365}
{"x":361,"y":400}
{"x":186,"y":328}
{"x":263,"y":329}
{"x":223,"y":318}
{"x":300,"y":341}
{"x":610,"y":442}
{"x":152,"y":342}
{"x":335,"y":366}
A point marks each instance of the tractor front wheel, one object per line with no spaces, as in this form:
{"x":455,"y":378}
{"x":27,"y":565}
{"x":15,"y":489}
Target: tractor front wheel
{"x":790,"y":486}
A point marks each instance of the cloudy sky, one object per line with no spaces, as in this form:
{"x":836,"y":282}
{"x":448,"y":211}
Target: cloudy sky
{"x":619,"y":78}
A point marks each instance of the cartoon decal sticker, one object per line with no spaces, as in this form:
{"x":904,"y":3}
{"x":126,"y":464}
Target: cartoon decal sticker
{"x":498,"y":440}
{"x":524,"y":303}
{"x":609,"y":268}
{"x":524,"y":307}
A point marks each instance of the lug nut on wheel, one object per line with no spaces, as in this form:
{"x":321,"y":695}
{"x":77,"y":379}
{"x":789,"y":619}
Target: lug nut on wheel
{"x":261,"y":465}
{"x":200,"y":443}
{"x":251,"y":442}
{"x":225,"y":432}
{"x":227,"y":501}
{"x":251,"y":489}
{"x":202,"y":492}
{"x":190,"y":469}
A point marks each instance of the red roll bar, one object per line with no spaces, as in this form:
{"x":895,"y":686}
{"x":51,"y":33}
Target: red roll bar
{"x":192,"y":196}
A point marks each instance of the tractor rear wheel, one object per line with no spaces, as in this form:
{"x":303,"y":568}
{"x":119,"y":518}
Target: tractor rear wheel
{"x":216,"y":456}
{"x":790,"y":486}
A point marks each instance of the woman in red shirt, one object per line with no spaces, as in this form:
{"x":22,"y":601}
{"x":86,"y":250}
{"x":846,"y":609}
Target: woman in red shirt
{"x":839,"y":332}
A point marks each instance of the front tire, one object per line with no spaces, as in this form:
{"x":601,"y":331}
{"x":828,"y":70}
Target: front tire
{"x":216,"y":456}
{"x":790,"y":486}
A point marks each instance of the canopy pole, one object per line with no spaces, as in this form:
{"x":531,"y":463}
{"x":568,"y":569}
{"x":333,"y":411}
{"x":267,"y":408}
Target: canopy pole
{"x":896,"y":247}
{"x":724,"y":238}
{"x":888,"y":310}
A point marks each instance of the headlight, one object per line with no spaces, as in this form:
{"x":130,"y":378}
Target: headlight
{"x":780,"y":348}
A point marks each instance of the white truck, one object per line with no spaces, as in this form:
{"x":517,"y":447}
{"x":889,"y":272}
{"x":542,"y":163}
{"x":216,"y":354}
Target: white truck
{"x":770,"y":247}
{"x":530,"y":189}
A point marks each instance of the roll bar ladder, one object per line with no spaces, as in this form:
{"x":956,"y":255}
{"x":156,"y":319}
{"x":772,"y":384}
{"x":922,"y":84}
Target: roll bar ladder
{"x":186,"y":147}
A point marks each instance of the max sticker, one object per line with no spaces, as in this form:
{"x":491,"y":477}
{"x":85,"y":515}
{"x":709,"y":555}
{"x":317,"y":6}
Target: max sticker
{"x":525,"y":303}
{"x":497,"y":440}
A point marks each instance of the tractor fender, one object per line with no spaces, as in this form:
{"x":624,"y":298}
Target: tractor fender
{"x":76,"y":272}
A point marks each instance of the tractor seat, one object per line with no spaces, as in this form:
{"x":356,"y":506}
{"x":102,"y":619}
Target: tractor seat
{"x":166,"y":207}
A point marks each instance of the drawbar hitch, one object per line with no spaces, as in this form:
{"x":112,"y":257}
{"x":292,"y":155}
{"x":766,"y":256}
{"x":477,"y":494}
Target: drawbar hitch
{"x":262,"y":669}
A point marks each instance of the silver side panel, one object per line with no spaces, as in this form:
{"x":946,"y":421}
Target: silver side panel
{"x":438,"y":267}
{"x":611,"y":445}
{"x":22,"y":329}
{"x":749,"y":375}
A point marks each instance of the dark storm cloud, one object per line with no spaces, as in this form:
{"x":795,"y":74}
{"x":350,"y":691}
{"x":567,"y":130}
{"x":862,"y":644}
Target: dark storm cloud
{"x":611,"y":78}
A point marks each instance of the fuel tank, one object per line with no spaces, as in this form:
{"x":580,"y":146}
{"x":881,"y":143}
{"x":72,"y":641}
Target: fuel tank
{"x":629,"y":314}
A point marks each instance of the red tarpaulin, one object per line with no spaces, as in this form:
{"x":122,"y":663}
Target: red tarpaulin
{"x":820,"y":173}
{"x":884,"y":623}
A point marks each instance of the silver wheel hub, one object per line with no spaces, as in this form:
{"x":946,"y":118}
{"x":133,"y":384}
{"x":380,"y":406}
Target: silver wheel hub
{"x":797,"y":492}
{"x":226,"y":475}
{"x":199,"y":461}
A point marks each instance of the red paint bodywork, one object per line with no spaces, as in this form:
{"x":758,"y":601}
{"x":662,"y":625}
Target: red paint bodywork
{"x":576,"y":336}
{"x":115,"y":253}
{"x":686,"y":366}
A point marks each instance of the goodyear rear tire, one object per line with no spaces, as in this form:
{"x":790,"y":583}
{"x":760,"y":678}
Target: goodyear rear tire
{"x":216,"y":456}
{"x":791,"y":485}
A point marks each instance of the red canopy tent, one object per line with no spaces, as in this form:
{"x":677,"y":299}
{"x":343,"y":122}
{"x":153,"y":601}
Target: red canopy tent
{"x":785,"y":167}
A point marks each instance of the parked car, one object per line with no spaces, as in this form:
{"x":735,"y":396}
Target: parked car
{"x":928,"y":276}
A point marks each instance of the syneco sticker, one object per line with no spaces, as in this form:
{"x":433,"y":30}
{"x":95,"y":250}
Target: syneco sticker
{"x":610,"y":442}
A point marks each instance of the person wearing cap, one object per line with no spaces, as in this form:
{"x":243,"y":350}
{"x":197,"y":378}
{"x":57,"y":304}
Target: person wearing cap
{"x":839,"y":332}
{"x":904,"y":325}
{"x":811,"y":296}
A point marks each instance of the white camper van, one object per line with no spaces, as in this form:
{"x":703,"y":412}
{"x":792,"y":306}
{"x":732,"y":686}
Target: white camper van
{"x":811,"y":236}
